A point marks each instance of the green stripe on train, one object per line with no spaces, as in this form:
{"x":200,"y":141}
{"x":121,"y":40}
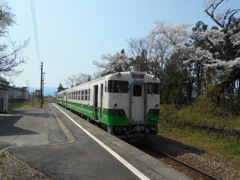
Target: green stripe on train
{"x":111,"y":117}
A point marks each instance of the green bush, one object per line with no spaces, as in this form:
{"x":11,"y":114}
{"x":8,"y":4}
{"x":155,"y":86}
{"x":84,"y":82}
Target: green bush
{"x":168,"y":112}
{"x":203,"y":113}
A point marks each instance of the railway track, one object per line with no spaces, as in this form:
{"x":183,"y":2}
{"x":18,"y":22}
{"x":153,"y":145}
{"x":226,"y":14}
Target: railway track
{"x":180,"y":166}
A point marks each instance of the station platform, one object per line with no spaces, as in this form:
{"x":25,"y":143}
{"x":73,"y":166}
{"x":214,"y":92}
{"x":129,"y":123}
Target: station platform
{"x":85,"y":151}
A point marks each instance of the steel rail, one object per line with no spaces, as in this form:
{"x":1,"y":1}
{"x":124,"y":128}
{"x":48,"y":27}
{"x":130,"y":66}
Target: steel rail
{"x":181,"y":162}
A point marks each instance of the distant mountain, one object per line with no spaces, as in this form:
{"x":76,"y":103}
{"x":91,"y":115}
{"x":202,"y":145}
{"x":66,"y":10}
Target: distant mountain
{"x":48,"y":91}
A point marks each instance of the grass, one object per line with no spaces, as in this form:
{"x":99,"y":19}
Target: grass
{"x":198,"y":116}
{"x":29,"y":104}
{"x":204,"y":125}
{"x":212,"y":143}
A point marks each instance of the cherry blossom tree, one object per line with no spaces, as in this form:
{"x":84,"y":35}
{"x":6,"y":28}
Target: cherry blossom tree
{"x":221,"y":50}
{"x":77,"y":79}
{"x":119,"y":62}
{"x":139,"y":51}
{"x":164,"y":42}
{"x":222,"y":41}
{"x":70,"y":81}
{"x":82,"y":78}
{"x":211,"y":56}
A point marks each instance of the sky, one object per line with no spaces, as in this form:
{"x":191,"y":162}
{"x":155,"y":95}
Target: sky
{"x":73,"y":33}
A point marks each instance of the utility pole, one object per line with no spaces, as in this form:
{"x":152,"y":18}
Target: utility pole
{"x":33,"y":99}
{"x":41,"y":86}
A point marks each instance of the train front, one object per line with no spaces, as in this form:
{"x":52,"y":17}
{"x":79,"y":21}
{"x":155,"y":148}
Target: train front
{"x":134,"y":98}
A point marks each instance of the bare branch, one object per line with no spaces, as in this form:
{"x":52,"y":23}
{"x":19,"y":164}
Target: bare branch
{"x":11,"y":55}
{"x":231,"y":16}
{"x":226,"y":16}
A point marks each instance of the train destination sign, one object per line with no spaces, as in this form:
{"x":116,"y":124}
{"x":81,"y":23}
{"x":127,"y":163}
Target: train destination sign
{"x":138,"y":76}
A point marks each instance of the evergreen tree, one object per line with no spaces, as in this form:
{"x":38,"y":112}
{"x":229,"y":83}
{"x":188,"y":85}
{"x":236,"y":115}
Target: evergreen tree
{"x":60,"y":88}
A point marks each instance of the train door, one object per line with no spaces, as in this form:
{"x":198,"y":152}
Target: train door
{"x":95,"y":103}
{"x":138,"y":104}
{"x":63,"y":98}
{"x":101,"y":101}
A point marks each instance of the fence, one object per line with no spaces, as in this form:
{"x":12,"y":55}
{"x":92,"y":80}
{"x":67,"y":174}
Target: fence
{"x":12,"y":103}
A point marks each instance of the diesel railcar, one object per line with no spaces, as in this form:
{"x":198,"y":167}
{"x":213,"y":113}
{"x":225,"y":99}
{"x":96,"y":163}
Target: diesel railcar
{"x":126,"y":104}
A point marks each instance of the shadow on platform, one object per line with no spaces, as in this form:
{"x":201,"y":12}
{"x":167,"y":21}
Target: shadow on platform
{"x":7,"y":127}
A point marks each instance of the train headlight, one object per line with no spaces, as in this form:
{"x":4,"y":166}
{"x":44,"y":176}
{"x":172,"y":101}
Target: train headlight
{"x":118,"y":75}
{"x":156,"y":105}
{"x":154,"y":78}
{"x":115,"y":104}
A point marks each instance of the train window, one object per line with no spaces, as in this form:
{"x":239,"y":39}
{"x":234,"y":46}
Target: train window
{"x":137,"y":90}
{"x":105,"y":86}
{"x":110,"y":86}
{"x":82,"y":95}
{"x":117,"y":86}
{"x":79,"y":95}
{"x":153,"y":88}
{"x":86,"y":94}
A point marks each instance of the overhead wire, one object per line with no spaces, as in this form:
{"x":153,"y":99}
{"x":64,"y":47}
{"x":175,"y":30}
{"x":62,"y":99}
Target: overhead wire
{"x":34,"y":62}
{"x":32,"y":4}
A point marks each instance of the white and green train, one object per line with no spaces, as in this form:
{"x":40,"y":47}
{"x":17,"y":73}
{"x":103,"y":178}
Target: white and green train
{"x":126,"y":104}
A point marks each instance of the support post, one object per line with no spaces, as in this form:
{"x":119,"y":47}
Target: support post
{"x":41,"y":86}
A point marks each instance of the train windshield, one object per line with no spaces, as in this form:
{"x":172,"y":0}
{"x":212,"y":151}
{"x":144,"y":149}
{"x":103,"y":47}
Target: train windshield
{"x":115,"y":86}
{"x":153,"y":88}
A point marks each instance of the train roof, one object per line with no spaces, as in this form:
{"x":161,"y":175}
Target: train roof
{"x":121,"y":76}
{"x":133,"y":75}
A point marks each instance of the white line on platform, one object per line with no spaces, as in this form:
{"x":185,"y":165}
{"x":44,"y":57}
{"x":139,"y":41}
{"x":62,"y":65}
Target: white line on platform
{"x":113,"y":153}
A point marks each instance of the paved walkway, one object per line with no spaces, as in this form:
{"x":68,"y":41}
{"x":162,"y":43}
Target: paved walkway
{"x":29,"y":127}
